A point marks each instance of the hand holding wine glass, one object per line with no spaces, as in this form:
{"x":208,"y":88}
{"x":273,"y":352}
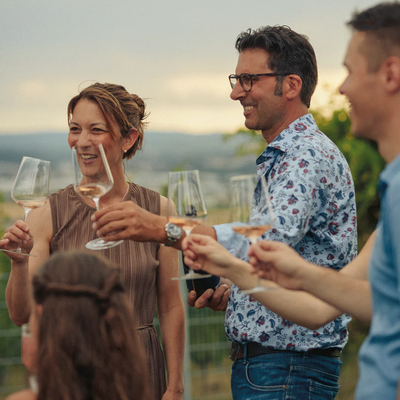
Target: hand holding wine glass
{"x":31,"y":188}
{"x":245,"y":189}
{"x":186,"y":206}
{"x":93,"y":179}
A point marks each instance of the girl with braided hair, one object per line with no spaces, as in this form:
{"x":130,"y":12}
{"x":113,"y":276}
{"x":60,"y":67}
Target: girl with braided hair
{"x":83,"y":327}
{"x":110,"y":115}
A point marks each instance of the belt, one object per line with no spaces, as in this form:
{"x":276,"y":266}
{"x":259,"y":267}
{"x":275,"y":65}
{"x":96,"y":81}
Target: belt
{"x":145,"y":326}
{"x":256,"y":349}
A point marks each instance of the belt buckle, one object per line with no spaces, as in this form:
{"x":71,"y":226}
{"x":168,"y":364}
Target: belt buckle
{"x":234,"y":351}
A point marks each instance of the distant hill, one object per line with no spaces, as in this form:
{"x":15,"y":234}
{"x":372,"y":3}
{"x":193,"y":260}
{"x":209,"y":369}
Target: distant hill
{"x":162,"y":152}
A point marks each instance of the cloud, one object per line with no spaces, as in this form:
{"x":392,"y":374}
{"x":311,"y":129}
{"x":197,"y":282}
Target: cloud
{"x":205,"y":86}
{"x":175,"y":54}
{"x":31,"y":90}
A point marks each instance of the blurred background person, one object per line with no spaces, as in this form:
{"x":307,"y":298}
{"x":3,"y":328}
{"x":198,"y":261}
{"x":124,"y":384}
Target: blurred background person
{"x":83,"y":329}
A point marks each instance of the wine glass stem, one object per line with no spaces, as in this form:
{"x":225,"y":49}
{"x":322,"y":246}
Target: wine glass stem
{"x":26,"y":212}
{"x":97,"y":202}
{"x":187,"y":231}
{"x":253,"y":240}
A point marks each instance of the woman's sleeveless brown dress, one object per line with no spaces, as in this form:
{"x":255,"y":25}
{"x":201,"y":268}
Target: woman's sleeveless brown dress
{"x":72,"y":229}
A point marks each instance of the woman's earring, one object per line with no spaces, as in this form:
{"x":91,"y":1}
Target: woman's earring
{"x":125,"y":151}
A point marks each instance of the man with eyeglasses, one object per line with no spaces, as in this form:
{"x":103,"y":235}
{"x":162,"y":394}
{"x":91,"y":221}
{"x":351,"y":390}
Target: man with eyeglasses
{"x":312,"y":193}
{"x":369,"y":286}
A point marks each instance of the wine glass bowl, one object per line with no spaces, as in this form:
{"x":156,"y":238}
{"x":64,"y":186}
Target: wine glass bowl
{"x":31,"y":187}
{"x":92,"y":180}
{"x":248,"y":196}
{"x":186,"y":207}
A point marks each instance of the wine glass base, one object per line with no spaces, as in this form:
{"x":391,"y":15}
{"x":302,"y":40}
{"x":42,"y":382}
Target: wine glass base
{"x":189,"y":276}
{"x":258,"y":289}
{"x":100,"y":244}
{"x":18,"y":252}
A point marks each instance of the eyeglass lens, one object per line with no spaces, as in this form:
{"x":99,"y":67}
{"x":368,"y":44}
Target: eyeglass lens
{"x":245,"y":81}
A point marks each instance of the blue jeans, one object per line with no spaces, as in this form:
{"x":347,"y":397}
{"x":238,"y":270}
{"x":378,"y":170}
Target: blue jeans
{"x":286,"y":376}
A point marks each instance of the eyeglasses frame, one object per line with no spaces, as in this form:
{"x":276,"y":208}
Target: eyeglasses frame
{"x":239,"y":78}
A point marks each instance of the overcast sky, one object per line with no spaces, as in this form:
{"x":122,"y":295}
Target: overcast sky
{"x":175,"y":54}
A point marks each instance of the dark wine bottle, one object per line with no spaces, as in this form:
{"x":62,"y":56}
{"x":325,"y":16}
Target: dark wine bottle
{"x":201,"y":285}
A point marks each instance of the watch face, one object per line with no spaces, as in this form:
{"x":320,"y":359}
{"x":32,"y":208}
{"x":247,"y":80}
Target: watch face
{"x":175,"y":231}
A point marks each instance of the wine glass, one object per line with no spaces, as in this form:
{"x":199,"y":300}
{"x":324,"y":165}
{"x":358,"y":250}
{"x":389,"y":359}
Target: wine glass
{"x":31,"y":187}
{"x":186,"y":207}
{"x":93,"y":179}
{"x":245,"y":190}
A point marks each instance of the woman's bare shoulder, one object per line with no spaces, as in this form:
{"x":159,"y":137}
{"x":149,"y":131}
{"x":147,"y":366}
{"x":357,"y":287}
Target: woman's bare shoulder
{"x":26,"y":394}
{"x":163,"y":205}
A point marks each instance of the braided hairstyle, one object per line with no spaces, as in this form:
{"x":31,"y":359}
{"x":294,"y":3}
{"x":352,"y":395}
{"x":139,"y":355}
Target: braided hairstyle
{"x":87,"y":343}
{"x":119,"y":106}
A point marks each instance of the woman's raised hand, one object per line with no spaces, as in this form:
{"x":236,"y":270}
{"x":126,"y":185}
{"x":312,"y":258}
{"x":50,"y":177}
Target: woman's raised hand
{"x":17,"y":235}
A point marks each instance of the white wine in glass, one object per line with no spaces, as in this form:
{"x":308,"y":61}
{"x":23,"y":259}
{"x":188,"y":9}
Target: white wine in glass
{"x":93,"y":179}
{"x":243,"y":190}
{"x":31,"y":187}
{"x":186,"y":207}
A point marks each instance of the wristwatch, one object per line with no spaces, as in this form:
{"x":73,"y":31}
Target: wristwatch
{"x":174,"y":233}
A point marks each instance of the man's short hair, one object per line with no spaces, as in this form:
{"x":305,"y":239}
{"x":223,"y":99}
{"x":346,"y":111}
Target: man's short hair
{"x":382,"y":26}
{"x":288,"y":52}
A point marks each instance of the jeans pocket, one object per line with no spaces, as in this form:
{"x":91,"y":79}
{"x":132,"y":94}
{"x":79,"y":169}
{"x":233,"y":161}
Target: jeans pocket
{"x":267,"y":377}
{"x":319,"y":391}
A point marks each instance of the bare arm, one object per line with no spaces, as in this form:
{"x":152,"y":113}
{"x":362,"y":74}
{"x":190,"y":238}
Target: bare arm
{"x":299,"y":307}
{"x":128,"y":221}
{"x":348,"y":290}
{"x":25,"y":394}
{"x":18,"y":235}
{"x":18,"y":286}
{"x":172,"y":318}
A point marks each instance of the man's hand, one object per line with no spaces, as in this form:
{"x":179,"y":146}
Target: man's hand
{"x":127,"y":220}
{"x":216,"y":299}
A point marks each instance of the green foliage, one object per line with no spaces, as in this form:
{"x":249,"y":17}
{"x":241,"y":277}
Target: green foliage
{"x":255,"y":145}
{"x":207,"y":337}
{"x":365,"y":164}
{"x":10,"y":342}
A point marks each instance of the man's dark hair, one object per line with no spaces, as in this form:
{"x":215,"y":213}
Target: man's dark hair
{"x":382,"y":26}
{"x":288,"y":52}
